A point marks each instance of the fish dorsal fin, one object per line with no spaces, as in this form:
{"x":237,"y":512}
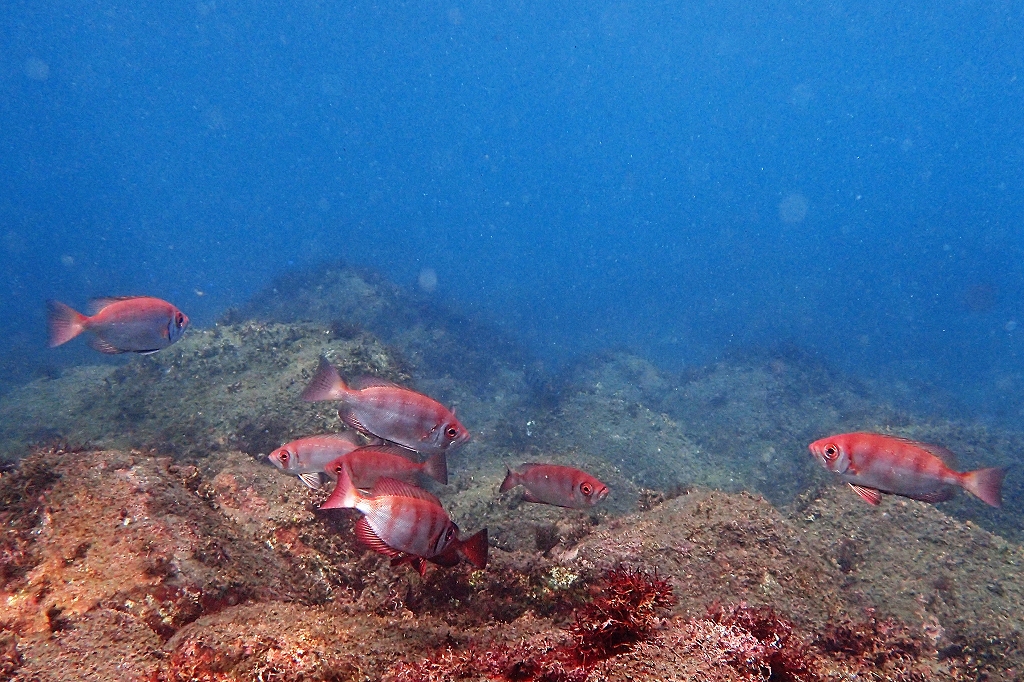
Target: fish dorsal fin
{"x":373,"y":382}
{"x":99,"y":303}
{"x":947,"y":456}
{"x":104,"y":346}
{"x":870,"y":495}
{"x":367,"y":537}
{"x":390,"y":486}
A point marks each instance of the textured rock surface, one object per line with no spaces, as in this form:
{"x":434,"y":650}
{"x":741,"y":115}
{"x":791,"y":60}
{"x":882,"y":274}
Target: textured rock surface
{"x":168,"y":549}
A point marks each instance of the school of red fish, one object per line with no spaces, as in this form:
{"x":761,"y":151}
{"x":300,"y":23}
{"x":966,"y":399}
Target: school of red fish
{"x":377,"y":467}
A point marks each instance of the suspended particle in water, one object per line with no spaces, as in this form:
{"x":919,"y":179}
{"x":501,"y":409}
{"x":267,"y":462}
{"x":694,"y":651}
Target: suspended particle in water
{"x":427,"y":280}
{"x":793,"y":208}
{"x":37,"y":69}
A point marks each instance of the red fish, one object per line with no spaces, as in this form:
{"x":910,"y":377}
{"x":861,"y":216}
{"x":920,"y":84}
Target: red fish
{"x":373,"y":462}
{"x":388,"y":411}
{"x":874,"y":464}
{"x":558,"y":485}
{"x":133,"y":324}
{"x":406,"y":523}
{"x":308,"y":457}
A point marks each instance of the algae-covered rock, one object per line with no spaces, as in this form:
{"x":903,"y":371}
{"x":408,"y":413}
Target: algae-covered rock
{"x":173,"y":546}
{"x":227,"y":567}
{"x":230,"y":387}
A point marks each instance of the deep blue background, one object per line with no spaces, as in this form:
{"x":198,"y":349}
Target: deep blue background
{"x":590,"y":174}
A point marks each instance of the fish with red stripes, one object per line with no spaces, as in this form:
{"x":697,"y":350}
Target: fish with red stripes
{"x":132,"y":324}
{"x":554,"y":484}
{"x":308,"y":457}
{"x":389,"y":411}
{"x":406,"y":523}
{"x":373,"y":462}
{"x":874,"y":463}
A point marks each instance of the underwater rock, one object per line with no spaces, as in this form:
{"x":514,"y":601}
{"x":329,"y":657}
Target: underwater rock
{"x":227,"y":388}
{"x":191,"y":557}
{"x":122,"y":531}
{"x":225,"y":569}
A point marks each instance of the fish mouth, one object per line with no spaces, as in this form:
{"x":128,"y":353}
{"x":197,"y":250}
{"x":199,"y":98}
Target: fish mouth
{"x":601,"y":494}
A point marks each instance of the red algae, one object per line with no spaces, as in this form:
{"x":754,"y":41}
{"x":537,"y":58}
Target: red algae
{"x":623,"y":612}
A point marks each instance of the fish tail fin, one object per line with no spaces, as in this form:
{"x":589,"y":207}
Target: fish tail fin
{"x":511,"y":481}
{"x":436,"y":467}
{"x":326,"y":384}
{"x":985,"y":484}
{"x":344,"y":495}
{"x":474,"y":548}
{"x":64,"y":322}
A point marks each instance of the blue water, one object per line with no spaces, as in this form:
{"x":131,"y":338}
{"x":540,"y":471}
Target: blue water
{"x":680,"y":178}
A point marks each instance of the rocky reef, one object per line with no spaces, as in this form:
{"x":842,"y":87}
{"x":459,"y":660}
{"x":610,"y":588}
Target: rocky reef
{"x":145,"y":537}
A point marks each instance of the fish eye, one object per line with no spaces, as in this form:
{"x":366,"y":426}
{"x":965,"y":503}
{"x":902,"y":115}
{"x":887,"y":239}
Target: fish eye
{"x":180,"y":319}
{"x":284,"y":456}
{"x":586,"y":489}
{"x":831,"y":452}
{"x":449,"y":534}
{"x":451,"y":432}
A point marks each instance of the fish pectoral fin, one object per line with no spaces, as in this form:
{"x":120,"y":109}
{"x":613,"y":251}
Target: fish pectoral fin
{"x":870,"y":495}
{"x":346,"y":415}
{"x":530,"y":497}
{"x":104,"y":346}
{"x":311,"y":479}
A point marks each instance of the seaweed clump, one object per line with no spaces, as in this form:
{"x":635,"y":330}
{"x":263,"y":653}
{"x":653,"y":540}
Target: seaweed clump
{"x":769,"y":648}
{"x":623,"y":613}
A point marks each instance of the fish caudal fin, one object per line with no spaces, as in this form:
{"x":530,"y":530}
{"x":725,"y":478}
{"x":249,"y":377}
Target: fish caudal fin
{"x":985,"y":484}
{"x":474,"y":548}
{"x":436,"y":467}
{"x":64,"y":322}
{"x":345,"y":495}
{"x":511,"y":481}
{"x":326,"y":383}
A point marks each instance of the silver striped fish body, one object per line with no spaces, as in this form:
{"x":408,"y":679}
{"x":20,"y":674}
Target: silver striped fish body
{"x":555,"y":484}
{"x":313,"y":453}
{"x":402,"y":416}
{"x":916,"y":474}
{"x":874,"y":463}
{"x":414,"y":524}
{"x":388,"y":411}
{"x":370,"y":464}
